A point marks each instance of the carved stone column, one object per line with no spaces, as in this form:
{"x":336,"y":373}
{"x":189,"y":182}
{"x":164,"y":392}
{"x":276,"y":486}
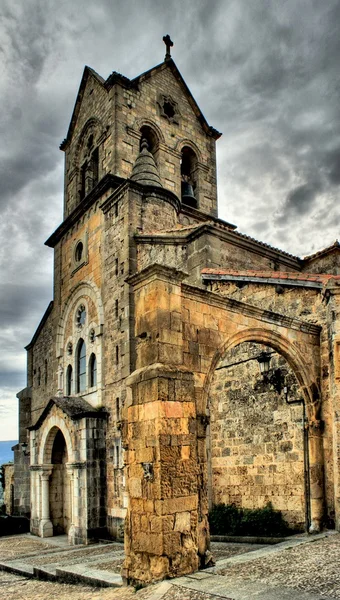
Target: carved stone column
{"x":78,"y":520}
{"x":316,"y":476}
{"x":45,"y":525}
{"x":71,"y":475}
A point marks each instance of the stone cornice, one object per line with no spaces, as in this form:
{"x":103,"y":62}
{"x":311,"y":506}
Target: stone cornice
{"x":251,"y":311}
{"x":225,"y":233}
{"x":156,"y":271}
{"x":263,"y":280}
{"x":159,"y":370}
{"x":146,"y":191}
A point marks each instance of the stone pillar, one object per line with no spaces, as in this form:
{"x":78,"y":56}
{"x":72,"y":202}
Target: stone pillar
{"x":316,"y":476}
{"x":45,"y":525}
{"x":332,"y":419}
{"x":164,"y":516}
{"x":78,"y":528}
{"x":72,"y":480}
{"x":166,"y":525}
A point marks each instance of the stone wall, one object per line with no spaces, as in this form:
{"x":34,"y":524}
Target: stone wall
{"x":21,"y":482}
{"x":256,"y":437}
{"x":8,"y":487}
{"x":311,"y":306}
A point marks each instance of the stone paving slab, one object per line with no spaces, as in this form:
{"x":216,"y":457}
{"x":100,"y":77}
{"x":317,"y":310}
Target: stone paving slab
{"x":218,"y":586}
{"x":18,"y":568}
{"x":299,"y":568}
{"x":265,"y":551}
{"x":88,"y":576}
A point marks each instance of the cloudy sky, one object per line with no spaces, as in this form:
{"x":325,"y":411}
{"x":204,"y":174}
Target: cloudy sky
{"x":264,"y":72}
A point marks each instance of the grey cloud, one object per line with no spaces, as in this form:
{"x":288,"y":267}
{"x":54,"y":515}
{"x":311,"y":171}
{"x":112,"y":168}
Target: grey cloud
{"x":15,"y":297}
{"x":301,"y":199}
{"x":12,"y":380}
{"x":266,"y":74}
{"x":332,"y":166}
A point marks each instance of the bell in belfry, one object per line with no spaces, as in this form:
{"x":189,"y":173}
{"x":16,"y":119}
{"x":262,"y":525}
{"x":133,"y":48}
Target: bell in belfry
{"x":188,"y":196}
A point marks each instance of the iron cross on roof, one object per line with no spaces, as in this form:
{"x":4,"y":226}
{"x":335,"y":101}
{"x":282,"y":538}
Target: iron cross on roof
{"x":169,"y":43}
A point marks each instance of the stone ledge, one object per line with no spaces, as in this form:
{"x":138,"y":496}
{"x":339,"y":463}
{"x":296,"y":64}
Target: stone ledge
{"x":159,"y":370}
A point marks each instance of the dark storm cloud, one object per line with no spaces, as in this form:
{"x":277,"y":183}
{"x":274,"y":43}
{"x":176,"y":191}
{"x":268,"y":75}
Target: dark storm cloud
{"x":265,"y":73}
{"x":301,"y":199}
{"x":332,"y":166}
{"x":299,"y":202}
{"x":13,"y":303}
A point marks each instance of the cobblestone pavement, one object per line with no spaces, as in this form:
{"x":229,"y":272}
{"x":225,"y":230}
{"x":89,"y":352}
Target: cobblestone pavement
{"x":309,"y":570}
{"x":20,"y":545}
{"x":178,"y":592}
{"x":312,"y":567}
{"x":226,"y":550}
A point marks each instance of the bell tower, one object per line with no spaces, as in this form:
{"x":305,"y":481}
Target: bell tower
{"x":112,"y":116}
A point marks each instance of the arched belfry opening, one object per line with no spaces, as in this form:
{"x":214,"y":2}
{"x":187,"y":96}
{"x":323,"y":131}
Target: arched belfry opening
{"x":257,"y":447}
{"x":59,"y":491}
{"x":188,"y":177}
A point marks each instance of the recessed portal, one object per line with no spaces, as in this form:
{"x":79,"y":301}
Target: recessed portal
{"x":257,"y":443}
{"x":60,"y":513}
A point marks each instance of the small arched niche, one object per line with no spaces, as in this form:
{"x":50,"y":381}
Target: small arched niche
{"x":149,"y":134}
{"x":188,"y":177}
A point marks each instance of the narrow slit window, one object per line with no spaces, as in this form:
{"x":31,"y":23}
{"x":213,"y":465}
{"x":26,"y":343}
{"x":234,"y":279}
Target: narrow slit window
{"x":69,"y":380}
{"x":93,"y":370}
{"x":81,"y":366}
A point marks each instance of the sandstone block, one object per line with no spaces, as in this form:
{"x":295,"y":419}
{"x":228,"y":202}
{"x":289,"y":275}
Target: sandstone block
{"x":182,"y":522}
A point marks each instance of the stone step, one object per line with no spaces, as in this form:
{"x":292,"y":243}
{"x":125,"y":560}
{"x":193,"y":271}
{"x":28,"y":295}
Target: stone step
{"x":84,"y":574}
{"x":18,"y":568}
{"x":48,"y":573}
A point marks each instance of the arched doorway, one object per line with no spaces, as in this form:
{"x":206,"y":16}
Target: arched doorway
{"x":258,"y":451}
{"x":59,"y":486}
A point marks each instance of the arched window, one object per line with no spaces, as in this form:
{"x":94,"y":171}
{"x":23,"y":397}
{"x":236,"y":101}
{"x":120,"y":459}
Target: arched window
{"x":81,"y":366}
{"x":188,"y":176}
{"x":90,"y":169}
{"x":93,"y":370}
{"x":69,"y":380}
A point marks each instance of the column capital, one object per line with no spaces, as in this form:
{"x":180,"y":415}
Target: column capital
{"x":75,"y":465}
{"x":45,"y":468}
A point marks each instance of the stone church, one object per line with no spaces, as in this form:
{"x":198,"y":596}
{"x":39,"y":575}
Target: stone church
{"x":180,"y":363}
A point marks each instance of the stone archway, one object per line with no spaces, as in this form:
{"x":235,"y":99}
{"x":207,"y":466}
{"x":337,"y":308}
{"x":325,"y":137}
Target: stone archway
{"x":307,"y":449}
{"x":52,"y":479}
{"x":257,"y":435}
{"x":59,"y":485}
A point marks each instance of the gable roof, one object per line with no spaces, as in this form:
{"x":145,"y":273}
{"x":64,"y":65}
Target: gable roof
{"x":170,"y":64}
{"x":74,"y":407}
{"x":328,"y":250}
{"x":40,"y":326}
{"x":118,"y":78}
{"x":87,"y":73}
